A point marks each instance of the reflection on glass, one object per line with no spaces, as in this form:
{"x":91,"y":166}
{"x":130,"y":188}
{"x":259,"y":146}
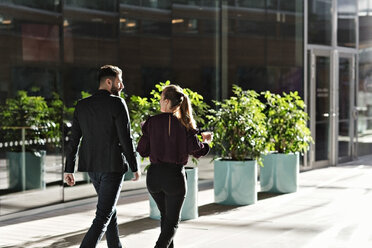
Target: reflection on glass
{"x":40,"y":42}
{"x":96,"y":28}
{"x":266,"y":45}
{"x":364,"y":93}
{"x":128,"y":25}
{"x":320,"y":22}
{"x":322,"y":119}
{"x":51,"y":5}
{"x":209,"y":3}
{"x":160,"y":4}
{"x":156,"y":27}
{"x":251,"y":4}
{"x":107,"y":5}
{"x":30,"y":151}
{"x":185,"y":26}
{"x":344,"y":108}
{"x":346,"y":23}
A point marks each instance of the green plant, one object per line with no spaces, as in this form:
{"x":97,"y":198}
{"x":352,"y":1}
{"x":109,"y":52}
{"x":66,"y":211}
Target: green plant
{"x":239,"y":126}
{"x":30,"y":113}
{"x":286,"y":123}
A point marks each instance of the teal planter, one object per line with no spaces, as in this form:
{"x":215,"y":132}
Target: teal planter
{"x":280,"y":173}
{"x":27,"y":176}
{"x":129,"y":175}
{"x":190,"y":206}
{"x":235,"y":182}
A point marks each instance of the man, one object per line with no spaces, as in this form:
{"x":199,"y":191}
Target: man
{"x":102,"y":128}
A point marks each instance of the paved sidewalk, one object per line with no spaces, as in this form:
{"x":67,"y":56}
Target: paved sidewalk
{"x":333,"y":208}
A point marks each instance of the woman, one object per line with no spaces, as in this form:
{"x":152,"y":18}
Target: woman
{"x":168,"y":139}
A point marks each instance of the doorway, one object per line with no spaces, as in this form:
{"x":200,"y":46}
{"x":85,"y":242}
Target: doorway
{"x":331,"y":103}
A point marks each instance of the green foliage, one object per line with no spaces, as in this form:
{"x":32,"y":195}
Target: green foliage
{"x":142,"y":107}
{"x":239,"y":126}
{"x":287,"y":123}
{"x":31,"y":113}
{"x":85,"y":94}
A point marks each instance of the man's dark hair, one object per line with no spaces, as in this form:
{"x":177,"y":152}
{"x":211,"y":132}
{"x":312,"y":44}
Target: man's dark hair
{"x":108,"y":71}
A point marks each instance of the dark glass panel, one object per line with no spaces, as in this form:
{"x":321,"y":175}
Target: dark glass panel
{"x":96,"y":29}
{"x":131,"y":2}
{"x":51,"y":5}
{"x":107,"y":5}
{"x":320,"y":22}
{"x":346,"y":23}
{"x":266,"y":47}
{"x":159,"y":28}
{"x":364,"y":89}
{"x":195,"y":48}
{"x":344,"y":108}
{"x":160,"y":4}
{"x":251,"y":4}
{"x":145,"y":48}
{"x":322,"y":121}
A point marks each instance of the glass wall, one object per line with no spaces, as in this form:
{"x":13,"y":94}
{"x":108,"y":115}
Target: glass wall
{"x":320,"y":22}
{"x":31,"y":106}
{"x":51,"y":51}
{"x":346,"y":23}
{"x":364,"y":89}
{"x":265,"y":45}
{"x":170,"y":40}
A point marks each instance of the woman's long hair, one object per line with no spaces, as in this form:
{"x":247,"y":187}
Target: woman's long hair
{"x":181,"y":103}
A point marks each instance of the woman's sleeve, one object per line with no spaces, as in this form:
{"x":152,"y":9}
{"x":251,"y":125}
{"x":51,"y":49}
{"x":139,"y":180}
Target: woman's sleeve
{"x":143,"y":147}
{"x":195,"y":146}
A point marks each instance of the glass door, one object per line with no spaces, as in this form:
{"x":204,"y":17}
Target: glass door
{"x":346,"y":120}
{"x":321,"y":111}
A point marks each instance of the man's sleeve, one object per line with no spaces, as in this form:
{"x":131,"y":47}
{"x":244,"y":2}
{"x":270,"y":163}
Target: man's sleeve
{"x":122,"y":123}
{"x":73,"y":144}
{"x":143,"y":147}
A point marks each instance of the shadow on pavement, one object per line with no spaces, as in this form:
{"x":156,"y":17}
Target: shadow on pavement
{"x":214,"y":208}
{"x":266,"y":195}
{"x":132,"y":227}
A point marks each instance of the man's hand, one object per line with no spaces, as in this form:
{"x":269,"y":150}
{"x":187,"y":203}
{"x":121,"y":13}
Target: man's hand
{"x":137,"y":175}
{"x":70,"y":179}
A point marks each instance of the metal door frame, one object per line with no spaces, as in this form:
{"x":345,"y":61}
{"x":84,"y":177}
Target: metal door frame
{"x":352,"y":97}
{"x":319,"y":51}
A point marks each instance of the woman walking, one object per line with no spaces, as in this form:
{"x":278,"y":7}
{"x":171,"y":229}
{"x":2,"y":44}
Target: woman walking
{"x":168,"y":139}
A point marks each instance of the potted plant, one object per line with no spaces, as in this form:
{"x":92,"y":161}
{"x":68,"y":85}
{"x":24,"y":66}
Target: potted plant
{"x":288,"y":135}
{"x":239,"y":131}
{"x":141,"y":109}
{"x":26,"y":128}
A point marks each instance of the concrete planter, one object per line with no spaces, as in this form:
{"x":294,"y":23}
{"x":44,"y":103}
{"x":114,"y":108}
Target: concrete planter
{"x":190,"y":206}
{"x":280,"y":173}
{"x":235,"y":182}
{"x":29,"y":175}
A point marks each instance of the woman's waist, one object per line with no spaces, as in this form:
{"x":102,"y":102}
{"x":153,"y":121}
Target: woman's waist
{"x":167,"y":164}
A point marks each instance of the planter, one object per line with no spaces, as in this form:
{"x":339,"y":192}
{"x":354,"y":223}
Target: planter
{"x":190,"y":206}
{"x":128,"y":175}
{"x":29,"y":175}
{"x":280,"y":173}
{"x":235,"y":182}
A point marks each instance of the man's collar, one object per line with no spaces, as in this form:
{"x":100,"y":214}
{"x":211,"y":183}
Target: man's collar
{"x":103,"y":91}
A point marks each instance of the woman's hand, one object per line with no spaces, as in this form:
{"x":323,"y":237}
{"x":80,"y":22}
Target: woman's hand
{"x":207,"y":137}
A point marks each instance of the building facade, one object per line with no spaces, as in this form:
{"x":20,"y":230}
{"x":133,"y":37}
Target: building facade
{"x":52,"y":49}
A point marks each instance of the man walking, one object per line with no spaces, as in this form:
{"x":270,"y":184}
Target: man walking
{"x":102,"y":128}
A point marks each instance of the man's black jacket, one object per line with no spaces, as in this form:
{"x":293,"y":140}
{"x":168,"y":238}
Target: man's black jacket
{"x":102,"y":123}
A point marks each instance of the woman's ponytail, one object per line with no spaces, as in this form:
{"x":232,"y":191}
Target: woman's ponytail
{"x":186,"y":116}
{"x":179,"y":100}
